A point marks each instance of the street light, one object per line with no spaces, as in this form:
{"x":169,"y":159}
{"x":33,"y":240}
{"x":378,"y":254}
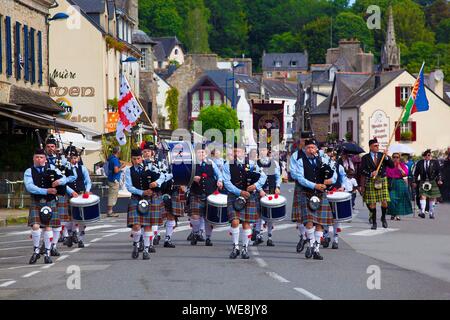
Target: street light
{"x":59,"y":16}
{"x":234,"y":66}
{"x":130,"y":59}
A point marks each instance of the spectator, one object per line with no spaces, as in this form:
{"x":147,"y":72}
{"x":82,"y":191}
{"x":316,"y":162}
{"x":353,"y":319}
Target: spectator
{"x":351,"y":185}
{"x":114,"y":175}
{"x":445,"y":173}
{"x":400,"y":204}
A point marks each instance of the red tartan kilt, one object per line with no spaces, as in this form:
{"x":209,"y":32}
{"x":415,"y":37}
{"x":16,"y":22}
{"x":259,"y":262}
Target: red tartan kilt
{"x":153,"y":218}
{"x":178,"y":204}
{"x":34,"y":218}
{"x":249,"y":214}
{"x":196,"y":206}
{"x":301,"y":212}
{"x":63,"y":209}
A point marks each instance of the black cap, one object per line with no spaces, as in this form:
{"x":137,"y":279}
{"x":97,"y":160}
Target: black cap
{"x":372,"y":141}
{"x":310,"y":141}
{"x":50,"y":140}
{"x":305,"y":135}
{"x":136,"y":153}
{"x":73,"y":153}
{"x":426,"y":152}
{"x":39,"y":151}
{"x":329,"y":149}
{"x":70,"y":150}
{"x":148,"y":145}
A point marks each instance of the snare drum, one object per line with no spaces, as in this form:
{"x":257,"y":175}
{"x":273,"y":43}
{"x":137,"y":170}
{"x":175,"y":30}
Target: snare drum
{"x":180,"y":158}
{"x":85,"y":210}
{"x":216,"y":209}
{"x":341,"y":205}
{"x":273,"y":208}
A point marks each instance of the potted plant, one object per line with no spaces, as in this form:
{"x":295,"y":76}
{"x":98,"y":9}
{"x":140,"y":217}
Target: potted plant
{"x":406,"y":136}
{"x":349,"y":136}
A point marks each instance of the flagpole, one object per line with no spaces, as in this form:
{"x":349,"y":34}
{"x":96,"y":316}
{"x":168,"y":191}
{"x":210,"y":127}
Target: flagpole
{"x":395,"y":129}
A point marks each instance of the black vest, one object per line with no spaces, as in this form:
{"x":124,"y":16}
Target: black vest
{"x":143,"y":180}
{"x":269,"y":170}
{"x":78,"y":185}
{"x":43,"y":180}
{"x":243,"y":177}
{"x":311,"y":173}
{"x":207,"y":185}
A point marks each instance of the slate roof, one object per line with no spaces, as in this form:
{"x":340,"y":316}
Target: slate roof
{"x":33,"y":98}
{"x":250,"y":84}
{"x":280,"y":89}
{"x":322,"y":108}
{"x":219,"y":77}
{"x":91,"y":6}
{"x":140,"y":37}
{"x":346,"y":83}
{"x":164,"y":47}
{"x":269,"y":59}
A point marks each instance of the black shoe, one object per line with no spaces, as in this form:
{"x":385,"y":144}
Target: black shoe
{"x":194,"y":239}
{"x":374,"y":226}
{"x":151,"y":249}
{"x":168,"y":244}
{"x":384,"y":223}
{"x":190,"y":236}
{"x":254,"y":234}
{"x":68,"y":242}
{"x":422,"y":215}
{"x":42,"y":249}
{"x":146,"y":255}
{"x":326,"y":242}
{"x":156,"y":240}
{"x":392,"y":217}
{"x":135,"y":253}
{"x":301,"y":245}
{"x":335,"y":245}
{"x":317,"y":256}
{"x":309,"y":252}
{"x":61,"y":239}
{"x":234,"y":253}
{"x":54,"y":252}
{"x":47,"y":260}
{"x":431,"y":216}
{"x":80,"y":244}
{"x":74,"y":237}
{"x":258,"y":240}
{"x":270,"y":243}
{"x":34,"y":258}
{"x":244,"y":254}
{"x":200,"y":237}
{"x":141,"y":243}
{"x":208,"y":242}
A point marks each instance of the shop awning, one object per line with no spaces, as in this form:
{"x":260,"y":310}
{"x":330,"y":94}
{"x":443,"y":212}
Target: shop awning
{"x":79,"y":141}
{"x":39,"y":101}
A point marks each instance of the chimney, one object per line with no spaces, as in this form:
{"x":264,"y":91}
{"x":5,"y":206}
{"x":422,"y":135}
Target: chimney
{"x":436,"y":82}
{"x":377,"y":80}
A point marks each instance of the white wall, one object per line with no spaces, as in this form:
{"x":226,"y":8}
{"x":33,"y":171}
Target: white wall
{"x":244,"y":114}
{"x":161,"y":98}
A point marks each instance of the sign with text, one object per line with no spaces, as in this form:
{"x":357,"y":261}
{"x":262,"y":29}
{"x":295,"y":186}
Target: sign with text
{"x":379,"y":128}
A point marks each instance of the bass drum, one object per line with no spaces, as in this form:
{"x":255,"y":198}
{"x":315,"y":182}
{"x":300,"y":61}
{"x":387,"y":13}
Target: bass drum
{"x":181,"y":161}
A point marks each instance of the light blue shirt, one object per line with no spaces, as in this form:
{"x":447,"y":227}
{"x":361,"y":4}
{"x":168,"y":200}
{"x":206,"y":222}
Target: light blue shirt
{"x":86,"y":178}
{"x":129,"y":183}
{"x":34,"y":189}
{"x":235,"y":190}
{"x":217,"y":172}
{"x":298,"y":172}
{"x":219,"y":163}
{"x":277,"y":173}
{"x":52,"y":160}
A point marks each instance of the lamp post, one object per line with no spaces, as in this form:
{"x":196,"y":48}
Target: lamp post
{"x":234,"y":66}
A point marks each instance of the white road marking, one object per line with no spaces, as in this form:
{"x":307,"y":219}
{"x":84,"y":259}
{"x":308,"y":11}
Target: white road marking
{"x":32,"y":273}
{"x":254,"y":251}
{"x":277,"y":277}
{"x":75,"y":250}
{"x":15,"y":241}
{"x":48,"y":266}
{"x":307,"y":293}
{"x":87,"y":245}
{"x":7,"y":258}
{"x":121,"y":230}
{"x":95,"y":240}
{"x":261,"y":262}
{"x":109,"y":235}
{"x":20,"y":267}
{"x":6,"y":284}
{"x":370,"y":233}
{"x":61,"y":258}
{"x":14,"y":248}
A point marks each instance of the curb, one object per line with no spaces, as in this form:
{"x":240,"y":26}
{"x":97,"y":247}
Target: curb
{"x":4,"y":222}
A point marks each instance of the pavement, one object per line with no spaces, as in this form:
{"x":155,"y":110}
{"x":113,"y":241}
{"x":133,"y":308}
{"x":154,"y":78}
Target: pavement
{"x":409,"y":260}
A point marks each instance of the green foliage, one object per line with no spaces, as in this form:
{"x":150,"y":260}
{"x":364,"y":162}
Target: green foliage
{"x":220,"y":117}
{"x":316,"y":39}
{"x":436,"y":12}
{"x":172,"y":107}
{"x":435,"y":56}
{"x":18,"y":152}
{"x":160,"y":18}
{"x":196,"y":31}
{"x":406,"y":136}
{"x":443,"y":31}
{"x":285,"y":42}
{"x":349,"y":25}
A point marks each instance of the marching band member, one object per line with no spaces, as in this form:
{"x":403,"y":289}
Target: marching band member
{"x":207,"y":179}
{"x":143,"y":184}
{"x":376,"y":187}
{"x":39,"y":182}
{"x":82,"y":184}
{"x":427,"y":176}
{"x":243,"y":180}
{"x":272,"y":186}
{"x":305,"y":169}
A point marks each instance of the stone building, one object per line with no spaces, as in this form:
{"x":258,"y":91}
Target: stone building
{"x":390,"y":54}
{"x":349,"y":57}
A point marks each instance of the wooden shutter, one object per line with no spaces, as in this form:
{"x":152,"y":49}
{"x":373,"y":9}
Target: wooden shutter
{"x":17,"y":50}
{"x":26,"y":58}
{"x":413,"y":130}
{"x":1,"y":46}
{"x":39,"y":34}
{"x":32,"y":56}
{"x":397,"y":132}
{"x":8,"y":46}
{"x":397,"y":96}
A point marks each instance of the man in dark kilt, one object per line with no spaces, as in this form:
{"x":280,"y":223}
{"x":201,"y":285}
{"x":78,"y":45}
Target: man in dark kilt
{"x":40,"y":181}
{"x":143,"y":183}
{"x":81,"y":185}
{"x":427,"y":176}
{"x":208,"y":178}
{"x":243,"y":180}
{"x":375,"y":188}
{"x":272,"y":186}
{"x":305,"y":169}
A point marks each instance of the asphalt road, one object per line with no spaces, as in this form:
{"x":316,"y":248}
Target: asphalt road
{"x":412,"y":257}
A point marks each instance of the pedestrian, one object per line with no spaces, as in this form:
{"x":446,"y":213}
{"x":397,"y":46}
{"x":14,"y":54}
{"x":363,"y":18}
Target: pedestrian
{"x":114,"y":176}
{"x":400,"y":204}
{"x":351,"y":185}
{"x":445,"y":172}
{"x":427,"y":177}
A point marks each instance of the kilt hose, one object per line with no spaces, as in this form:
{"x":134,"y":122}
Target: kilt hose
{"x":303,"y":214}
{"x":63,"y":208}
{"x":196,"y":206}
{"x":152,"y":218}
{"x":35,"y":208}
{"x":372,"y":195}
{"x":400,"y":204}
{"x":249,"y":213}
{"x":433,"y":193}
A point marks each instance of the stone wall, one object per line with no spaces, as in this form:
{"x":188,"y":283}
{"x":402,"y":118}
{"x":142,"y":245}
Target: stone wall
{"x":320,"y":126}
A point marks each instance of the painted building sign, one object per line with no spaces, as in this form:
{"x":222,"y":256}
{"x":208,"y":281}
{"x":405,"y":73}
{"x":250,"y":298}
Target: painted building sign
{"x":379,"y":128}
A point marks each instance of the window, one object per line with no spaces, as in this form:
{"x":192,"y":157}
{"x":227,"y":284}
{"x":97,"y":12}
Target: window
{"x":1,"y":45}
{"x":217,"y":98}
{"x":17,"y":56}
{"x":196,"y":102}
{"x":406,"y":131}
{"x":404,"y":93}
{"x":350,"y":128}
{"x":335,"y":129}
{"x":143,"y":58}
{"x":287,"y":110}
{"x":401,"y":94}
{"x":293,"y":63}
{"x":269,"y":74}
{"x":176,"y":51}
{"x":277,"y":63}
{"x":206,"y":98}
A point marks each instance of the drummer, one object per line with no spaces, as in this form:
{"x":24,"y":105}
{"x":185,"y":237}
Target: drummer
{"x":242,"y":179}
{"x":208,"y":178}
{"x":138,"y":184}
{"x":81,"y":185}
{"x":272,"y":186}
{"x":43,"y":194}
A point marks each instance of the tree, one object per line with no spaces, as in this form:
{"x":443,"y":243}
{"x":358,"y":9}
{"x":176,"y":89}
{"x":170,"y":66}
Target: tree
{"x":220,"y":117}
{"x":172,"y":107}
{"x":436,"y":12}
{"x":443,"y":31}
{"x":196,"y":31}
{"x":285,"y":42}
{"x":435,"y":56}
{"x":315,"y":38}
{"x":159,"y":18}
{"x":349,"y":25}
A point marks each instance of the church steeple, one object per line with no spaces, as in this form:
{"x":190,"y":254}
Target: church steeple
{"x":390,"y":55}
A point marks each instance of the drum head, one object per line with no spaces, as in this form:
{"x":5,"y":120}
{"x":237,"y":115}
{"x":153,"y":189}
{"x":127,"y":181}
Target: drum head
{"x":82,"y":202}
{"x":218,"y":200}
{"x":339,"y":196}
{"x":271,"y":201}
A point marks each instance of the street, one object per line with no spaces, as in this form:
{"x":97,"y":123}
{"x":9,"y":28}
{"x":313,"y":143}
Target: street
{"x":412,"y":256}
